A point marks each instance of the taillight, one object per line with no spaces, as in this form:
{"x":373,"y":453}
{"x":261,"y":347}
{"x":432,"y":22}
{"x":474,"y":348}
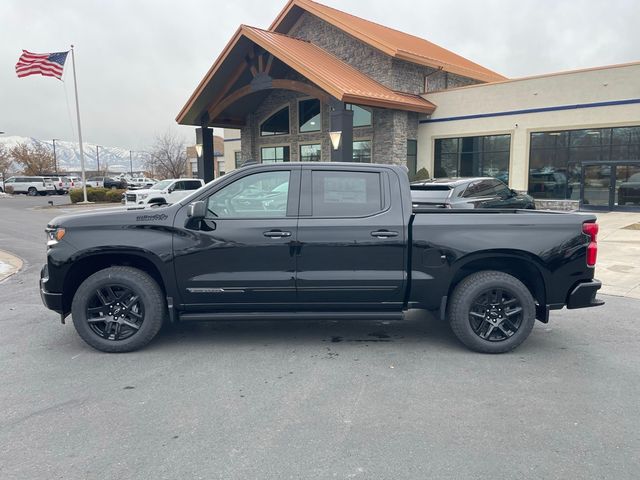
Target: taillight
{"x":591,"y":229}
{"x":60,"y":184}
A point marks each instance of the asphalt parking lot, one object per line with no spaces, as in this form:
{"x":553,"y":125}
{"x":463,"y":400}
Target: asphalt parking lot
{"x":310,"y":400}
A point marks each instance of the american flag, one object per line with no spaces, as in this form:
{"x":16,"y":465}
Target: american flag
{"x":47,"y":64}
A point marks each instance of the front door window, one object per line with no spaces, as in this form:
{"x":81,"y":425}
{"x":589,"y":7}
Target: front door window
{"x":611,"y":186}
{"x":261,"y":195}
{"x":627,"y":187}
{"x":596,"y":185}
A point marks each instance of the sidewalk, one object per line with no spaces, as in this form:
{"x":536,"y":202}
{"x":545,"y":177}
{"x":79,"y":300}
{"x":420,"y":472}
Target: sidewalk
{"x":618,"y":266}
{"x":9,"y":264}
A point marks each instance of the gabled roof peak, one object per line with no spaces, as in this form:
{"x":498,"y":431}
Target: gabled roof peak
{"x":392,"y":42}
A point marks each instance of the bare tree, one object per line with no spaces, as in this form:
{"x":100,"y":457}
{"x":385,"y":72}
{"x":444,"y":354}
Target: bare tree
{"x":5,"y":161}
{"x":35,"y":159}
{"x":168,"y":157}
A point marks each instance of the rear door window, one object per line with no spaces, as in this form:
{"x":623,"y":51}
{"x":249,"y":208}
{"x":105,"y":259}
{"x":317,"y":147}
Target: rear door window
{"x":479,"y":188}
{"x":346,"y":194}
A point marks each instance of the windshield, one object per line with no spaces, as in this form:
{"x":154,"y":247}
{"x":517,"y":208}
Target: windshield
{"x":162,"y":185}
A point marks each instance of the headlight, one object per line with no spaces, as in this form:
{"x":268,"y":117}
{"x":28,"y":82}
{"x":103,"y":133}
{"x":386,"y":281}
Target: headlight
{"x":143,"y":196}
{"x":54,"y":235}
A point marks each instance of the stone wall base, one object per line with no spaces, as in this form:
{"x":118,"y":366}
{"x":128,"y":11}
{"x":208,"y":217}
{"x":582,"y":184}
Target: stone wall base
{"x":564,"y":205}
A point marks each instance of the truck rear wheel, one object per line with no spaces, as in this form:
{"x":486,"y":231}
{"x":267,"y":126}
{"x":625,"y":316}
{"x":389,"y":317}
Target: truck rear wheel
{"x":118,"y":309}
{"x":491,"y":312}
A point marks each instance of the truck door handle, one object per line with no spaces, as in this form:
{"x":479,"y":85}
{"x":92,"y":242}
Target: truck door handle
{"x":276,"y":234}
{"x":384,"y":234}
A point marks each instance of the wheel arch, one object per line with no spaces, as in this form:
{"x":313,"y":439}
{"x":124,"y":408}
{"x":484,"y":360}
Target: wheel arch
{"x":519,"y":264}
{"x":87,"y":265}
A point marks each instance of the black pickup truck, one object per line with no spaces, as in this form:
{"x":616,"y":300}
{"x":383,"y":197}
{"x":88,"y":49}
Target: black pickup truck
{"x":315,"y":241}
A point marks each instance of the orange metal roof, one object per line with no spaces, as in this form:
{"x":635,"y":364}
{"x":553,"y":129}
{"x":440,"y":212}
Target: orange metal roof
{"x":392,"y":42}
{"x":332,"y":75}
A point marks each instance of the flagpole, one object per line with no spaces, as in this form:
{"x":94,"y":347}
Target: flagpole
{"x":75,"y":87}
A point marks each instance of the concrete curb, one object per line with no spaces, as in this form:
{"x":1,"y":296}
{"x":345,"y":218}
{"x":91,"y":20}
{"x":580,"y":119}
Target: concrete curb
{"x":9,"y":265}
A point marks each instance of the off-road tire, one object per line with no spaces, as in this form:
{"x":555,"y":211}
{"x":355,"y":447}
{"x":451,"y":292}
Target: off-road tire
{"x":464,"y":298}
{"x":150,"y":294}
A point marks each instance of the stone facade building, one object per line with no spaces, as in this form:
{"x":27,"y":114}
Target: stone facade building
{"x":345,"y":73}
{"x":321,"y":84}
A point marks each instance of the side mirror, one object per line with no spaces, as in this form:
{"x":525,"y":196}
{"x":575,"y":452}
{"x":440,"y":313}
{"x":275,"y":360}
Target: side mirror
{"x":170,"y":189}
{"x":197,"y":210}
{"x":514,"y":193}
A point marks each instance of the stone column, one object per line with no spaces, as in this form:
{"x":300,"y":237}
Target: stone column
{"x":204,"y":137}
{"x":341,"y":120}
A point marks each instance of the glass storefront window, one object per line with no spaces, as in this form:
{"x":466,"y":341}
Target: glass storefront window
{"x":310,"y":153}
{"x":309,"y":115}
{"x":276,"y":124}
{"x":556,"y":158}
{"x":486,"y":156}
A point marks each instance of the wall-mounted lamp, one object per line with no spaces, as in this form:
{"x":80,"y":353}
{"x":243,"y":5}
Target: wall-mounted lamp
{"x":335,"y":139}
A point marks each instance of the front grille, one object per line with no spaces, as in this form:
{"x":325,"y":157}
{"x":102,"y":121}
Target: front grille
{"x":131,"y":197}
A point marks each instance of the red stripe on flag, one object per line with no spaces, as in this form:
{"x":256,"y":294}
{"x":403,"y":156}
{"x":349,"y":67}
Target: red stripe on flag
{"x":49,"y":65}
{"x":39,"y":70}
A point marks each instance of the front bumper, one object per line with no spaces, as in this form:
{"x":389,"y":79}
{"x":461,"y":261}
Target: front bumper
{"x":584,"y":295}
{"x":51,"y":300}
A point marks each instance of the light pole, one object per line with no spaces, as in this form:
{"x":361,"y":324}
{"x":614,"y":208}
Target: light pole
{"x":55,"y":158}
{"x":2,"y":173}
{"x":98,"y":158}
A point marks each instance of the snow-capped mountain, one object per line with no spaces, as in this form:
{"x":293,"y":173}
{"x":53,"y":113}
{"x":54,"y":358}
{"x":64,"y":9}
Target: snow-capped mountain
{"x":68,"y":154}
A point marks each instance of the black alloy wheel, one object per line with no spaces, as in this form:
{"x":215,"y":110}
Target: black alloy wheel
{"x":495,"y":315}
{"x":115,"y":312}
{"x":491,"y":312}
{"x":118,"y":309}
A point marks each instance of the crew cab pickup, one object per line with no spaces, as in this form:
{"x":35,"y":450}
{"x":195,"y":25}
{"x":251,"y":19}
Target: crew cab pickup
{"x":165,"y":191}
{"x":315,"y":241}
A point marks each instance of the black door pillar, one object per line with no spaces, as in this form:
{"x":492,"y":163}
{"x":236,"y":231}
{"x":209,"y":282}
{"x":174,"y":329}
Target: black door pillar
{"x":204,"y":137}
{"x":341,"y":120}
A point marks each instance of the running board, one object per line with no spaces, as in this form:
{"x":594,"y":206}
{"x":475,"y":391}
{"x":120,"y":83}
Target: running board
{"x":228,"y":316}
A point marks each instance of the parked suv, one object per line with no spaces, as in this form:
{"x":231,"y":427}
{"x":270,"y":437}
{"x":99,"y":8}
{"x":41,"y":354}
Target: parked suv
{"x":141,"y":182}
{"x":76,"y":182}
{"x":61,"y":184}
{"x":30,"y":185}
{"x":107,"y":182}
{"x":482,"y":192}
{"x":165,"y":191}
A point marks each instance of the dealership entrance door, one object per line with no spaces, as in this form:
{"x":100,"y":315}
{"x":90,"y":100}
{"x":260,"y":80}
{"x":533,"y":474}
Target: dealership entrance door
{"x":610,"y":186}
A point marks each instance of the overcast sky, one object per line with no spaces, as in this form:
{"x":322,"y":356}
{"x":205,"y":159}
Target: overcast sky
{"x":139,"y":60}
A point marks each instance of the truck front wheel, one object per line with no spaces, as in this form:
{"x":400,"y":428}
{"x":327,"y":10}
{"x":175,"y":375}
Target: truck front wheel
{"x":491,"y":312}
{"x":118,"y":309}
